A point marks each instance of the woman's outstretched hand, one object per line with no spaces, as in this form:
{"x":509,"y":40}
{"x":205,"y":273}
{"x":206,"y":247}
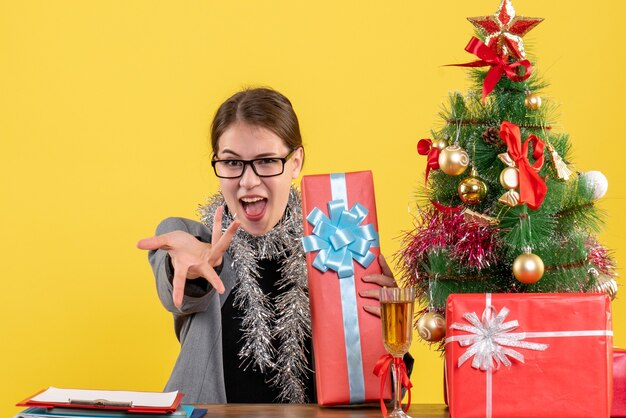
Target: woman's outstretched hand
{"x":384,"y":279}
{"x":191,"y":257}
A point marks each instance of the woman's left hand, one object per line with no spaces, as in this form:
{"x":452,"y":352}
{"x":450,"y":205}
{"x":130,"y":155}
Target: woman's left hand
{"x":384,"y":279}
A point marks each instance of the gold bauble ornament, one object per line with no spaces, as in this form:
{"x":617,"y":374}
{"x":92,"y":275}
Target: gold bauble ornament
{"x":431,"y":327}
{"x":440,"y":144}
{"x":472,"y":190}
{"x":604,"y":284}
{"x":528,"y":268}
{"x":532,"y":101}
{"x":453,"y":160}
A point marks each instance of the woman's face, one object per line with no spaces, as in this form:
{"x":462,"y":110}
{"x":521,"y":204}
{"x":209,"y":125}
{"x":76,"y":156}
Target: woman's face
{"x":258,"y":202}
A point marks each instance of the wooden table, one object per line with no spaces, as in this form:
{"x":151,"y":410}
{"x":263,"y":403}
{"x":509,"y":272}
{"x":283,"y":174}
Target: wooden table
{"x":314,"y":411}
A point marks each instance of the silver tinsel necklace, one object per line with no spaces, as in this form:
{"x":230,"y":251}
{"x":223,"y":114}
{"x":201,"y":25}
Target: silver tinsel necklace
{"x":287,"y":319}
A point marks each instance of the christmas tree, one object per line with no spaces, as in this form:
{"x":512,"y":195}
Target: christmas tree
{"x":503,"y":208}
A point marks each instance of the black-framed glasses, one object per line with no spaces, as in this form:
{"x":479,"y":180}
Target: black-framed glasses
{"x":262,"y":167}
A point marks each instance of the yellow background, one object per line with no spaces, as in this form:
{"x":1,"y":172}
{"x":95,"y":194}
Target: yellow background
{"x":105,"y":109}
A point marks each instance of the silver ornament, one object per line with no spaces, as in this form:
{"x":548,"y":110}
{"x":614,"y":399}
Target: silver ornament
{"x":597,"y":182}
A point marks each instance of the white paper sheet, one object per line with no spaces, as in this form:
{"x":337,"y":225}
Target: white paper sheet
{"x":150,"y":399}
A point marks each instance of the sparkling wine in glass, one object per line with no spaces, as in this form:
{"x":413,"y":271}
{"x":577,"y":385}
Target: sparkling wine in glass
{"x":396,"y":306}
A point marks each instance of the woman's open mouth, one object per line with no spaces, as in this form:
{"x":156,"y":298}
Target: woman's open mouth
{"x":253,"y":207}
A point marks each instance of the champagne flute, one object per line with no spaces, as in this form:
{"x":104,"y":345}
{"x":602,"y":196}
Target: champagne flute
{"x":396,"y":306}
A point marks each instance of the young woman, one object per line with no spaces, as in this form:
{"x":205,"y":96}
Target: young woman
{"x":236,"y":283}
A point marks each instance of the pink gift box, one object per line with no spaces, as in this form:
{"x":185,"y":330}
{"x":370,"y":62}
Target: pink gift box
{"x":619,"y":383}
{"x":347,"y":341}
{"x":546,"y":355}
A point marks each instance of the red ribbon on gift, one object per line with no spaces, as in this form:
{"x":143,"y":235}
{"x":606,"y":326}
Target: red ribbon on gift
{"x":532,"y":188}
{"x":381,"y":369}
{"x":499,"y":66}
{"x":425,"y":147}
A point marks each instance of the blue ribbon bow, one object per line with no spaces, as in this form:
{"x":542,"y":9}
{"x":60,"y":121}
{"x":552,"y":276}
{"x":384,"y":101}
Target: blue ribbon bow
{"x":340,"y":238}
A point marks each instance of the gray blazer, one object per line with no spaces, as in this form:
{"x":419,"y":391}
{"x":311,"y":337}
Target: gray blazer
{"x":199,"y":371}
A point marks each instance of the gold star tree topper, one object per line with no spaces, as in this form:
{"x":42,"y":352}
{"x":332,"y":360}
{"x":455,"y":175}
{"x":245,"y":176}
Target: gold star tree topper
{"x":504,"y":30}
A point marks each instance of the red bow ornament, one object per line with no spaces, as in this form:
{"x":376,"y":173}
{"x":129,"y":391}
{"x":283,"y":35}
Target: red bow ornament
{"x":499,"y":66}
{"x":426,"y":147}
{"x":381,"y":369}
{"x":532,"y":188}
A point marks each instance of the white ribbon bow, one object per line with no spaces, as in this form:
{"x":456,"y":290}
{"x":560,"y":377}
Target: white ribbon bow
{"x":490,"y":340}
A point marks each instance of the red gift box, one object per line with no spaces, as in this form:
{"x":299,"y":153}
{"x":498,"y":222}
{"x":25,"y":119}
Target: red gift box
{"x":341,"y":241}
{"x":529,"y":355}
{"x":619,"y":383}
